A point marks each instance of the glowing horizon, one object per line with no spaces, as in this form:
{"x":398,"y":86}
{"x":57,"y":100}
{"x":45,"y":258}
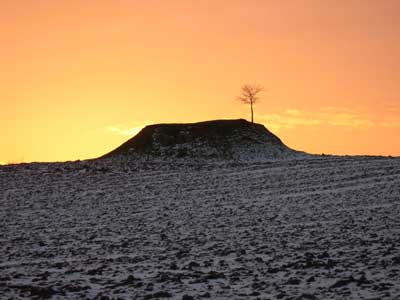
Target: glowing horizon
{"x":80,"y":78}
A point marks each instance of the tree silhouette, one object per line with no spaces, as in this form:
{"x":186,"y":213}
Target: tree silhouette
{"x":249,"y":95}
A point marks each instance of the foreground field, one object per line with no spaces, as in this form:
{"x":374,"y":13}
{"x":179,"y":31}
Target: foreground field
{"x":316,"y":228}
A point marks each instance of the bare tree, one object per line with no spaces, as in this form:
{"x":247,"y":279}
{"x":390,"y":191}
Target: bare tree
{"x":249,"y":95}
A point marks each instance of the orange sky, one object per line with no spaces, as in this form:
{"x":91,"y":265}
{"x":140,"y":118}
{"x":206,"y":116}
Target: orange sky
{"x":80,"y":77}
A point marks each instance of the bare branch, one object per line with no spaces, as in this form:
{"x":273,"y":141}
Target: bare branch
{"x":249,"y":95}
{"x":243,"y":99}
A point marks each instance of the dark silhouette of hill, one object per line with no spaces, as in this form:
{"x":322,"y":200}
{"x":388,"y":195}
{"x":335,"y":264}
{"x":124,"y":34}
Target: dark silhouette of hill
{"x":225,"y":139}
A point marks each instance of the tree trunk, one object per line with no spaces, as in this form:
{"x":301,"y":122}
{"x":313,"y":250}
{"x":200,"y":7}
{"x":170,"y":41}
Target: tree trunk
{"x":251,"y":105}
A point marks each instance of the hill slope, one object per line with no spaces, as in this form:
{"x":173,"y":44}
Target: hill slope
{"x":226,"y":139}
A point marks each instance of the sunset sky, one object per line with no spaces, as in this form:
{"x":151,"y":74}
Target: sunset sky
{"x":78,"y":77}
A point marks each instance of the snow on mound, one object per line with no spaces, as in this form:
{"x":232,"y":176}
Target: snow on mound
{"x":223,"y":139}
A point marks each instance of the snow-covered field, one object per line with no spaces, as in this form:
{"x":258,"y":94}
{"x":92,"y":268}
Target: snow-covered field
{"x":312,"y":228}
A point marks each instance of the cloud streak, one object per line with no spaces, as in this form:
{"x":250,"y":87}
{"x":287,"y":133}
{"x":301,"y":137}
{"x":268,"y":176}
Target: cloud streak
{"x":391,"y":123}
{"x":329,"y":116}
{"x":125,"y":130}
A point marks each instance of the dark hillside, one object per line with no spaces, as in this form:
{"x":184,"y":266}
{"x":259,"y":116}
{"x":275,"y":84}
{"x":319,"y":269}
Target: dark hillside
{"x":227,"y":139}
